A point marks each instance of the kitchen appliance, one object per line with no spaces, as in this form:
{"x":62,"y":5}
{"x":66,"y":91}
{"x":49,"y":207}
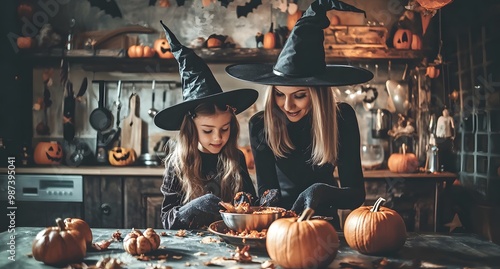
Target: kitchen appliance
{"x":40,"y":199}
{"x":381,"y":123}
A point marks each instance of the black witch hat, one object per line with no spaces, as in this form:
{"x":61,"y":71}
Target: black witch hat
{"x":302,"y":60}
{"x":198,"y":86}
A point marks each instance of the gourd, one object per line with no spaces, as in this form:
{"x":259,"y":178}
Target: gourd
{"x":402,"y":162}
{"x":162,"y":48}
{"x":137,"y":243}
{"x":140,"y":51}
{"x":302,"y":242}
{"x":59,"y":245}
{"x":374,"y":229}
{"x":48,"y":153}
{"x":402,"y":39}
{"x":269,"y":38}
{"x":119,"y":156}
{"x":81,"y":226}
{"x":24,"y":42}
{"x":432,"y":71}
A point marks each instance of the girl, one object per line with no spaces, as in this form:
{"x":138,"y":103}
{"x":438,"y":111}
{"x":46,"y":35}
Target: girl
{"x":303,"y":134}
{"x":204,"y":165}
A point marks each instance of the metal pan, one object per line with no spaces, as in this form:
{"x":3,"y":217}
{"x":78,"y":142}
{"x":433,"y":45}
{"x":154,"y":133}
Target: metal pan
{"x":101,"y":118}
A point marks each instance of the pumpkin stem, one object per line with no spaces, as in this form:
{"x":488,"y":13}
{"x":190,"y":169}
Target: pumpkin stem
{"x":377,"y":204}
{"x":306,"y":215}
{"x":60,"y":224}
{"x":404,"y":148}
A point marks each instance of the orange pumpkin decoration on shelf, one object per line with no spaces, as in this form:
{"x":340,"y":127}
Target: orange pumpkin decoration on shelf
{"x":402,"y":39}
{"x":48,"y":153}
{"x":137,"y":243}
{"x":119,"y":156}
{"x":213,"y":42}
{"x":25,"y":42}
{"x":375,"y":229}
{"x":302,"y":242}
{"x":402,"y":162}
{"x":416,"y":42}
{"x":81,"y":226}
{"x":292,"y":19}
{"x":432,"y":71}
{"x":59,"y":245}
{"x":140,"y":51}
{"x":269,"y":39}
{"x":162,"y":48}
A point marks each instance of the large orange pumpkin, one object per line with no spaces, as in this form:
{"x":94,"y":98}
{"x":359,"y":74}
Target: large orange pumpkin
{"x":59,"y":245}
{"x":119,"y":156}
{"x":162,"y":48}
{"x":375,"y":229}
{"x":48,"y":153}
{"x":137,"y":243}
{"x":302,"y":242}
{"x":402,"y":162}
{"x":81,"y":226}
{"x":402,"y":39}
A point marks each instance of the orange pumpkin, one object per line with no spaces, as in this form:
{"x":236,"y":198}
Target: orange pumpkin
{"x":402,"y":162}
{"x":48,"y":153}
{"x":416,"y":42}
{"x":213,"y":42}
{"x":25,"y":10}
{"x":59,"y":245}
{"x":269,"y":39}
{"x":292,"y":19}
{"x":24,"y":42}
{"x":302,"y":242}
{"x":335,"y":20}
{"x":375,"y":229}
{"x":119,"y":156}
{"x":402,"y":39}
{"x":137,"y":243}
{"x":162,"y":48}
{"x":432,"y":71}
{"x":140,"y":51}
{"x":81,"y":226}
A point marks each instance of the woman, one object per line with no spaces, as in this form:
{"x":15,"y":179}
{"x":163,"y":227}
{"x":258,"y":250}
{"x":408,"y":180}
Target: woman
{"x":303,"y":133}
{"x":203,"y":166}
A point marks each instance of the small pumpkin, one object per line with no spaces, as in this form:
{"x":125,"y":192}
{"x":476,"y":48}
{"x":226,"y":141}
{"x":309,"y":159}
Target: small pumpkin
{"x":432,"y":71}
{"x":137,"y":243}
{"x":416,"y":42}
{"x":292,"y":19}
{"x":375,"y":229}
{"x":120,"y":156}
{"x":48,"y":153}
{"x":81,"y":226}
{"x":213,"y":42}
{"x":335,"y":20}
{"x":59,"y":245}
{"x":25,"y":42}
{"x":269,"y":38}
{"x":402,"y":39}
{"x":162,"y":48}
{"x":25,"y":10}
{"x":140,"y":51}
{"x":302,"y":242}
{"x":402,"y":162}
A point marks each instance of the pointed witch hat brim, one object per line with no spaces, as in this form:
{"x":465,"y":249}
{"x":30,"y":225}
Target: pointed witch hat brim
{"x":198,"y":86}
{"x":302,"y":59}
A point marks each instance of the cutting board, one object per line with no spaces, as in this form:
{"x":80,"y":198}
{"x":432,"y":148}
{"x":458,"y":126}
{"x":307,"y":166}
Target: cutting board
{"x":131,"y":135}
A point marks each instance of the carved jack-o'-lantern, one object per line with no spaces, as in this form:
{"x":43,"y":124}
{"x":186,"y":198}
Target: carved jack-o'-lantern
{"x":402,"y":39}
{"x":119,"y":156}
{"x":162,"y":48}
{"x":48,"y":153}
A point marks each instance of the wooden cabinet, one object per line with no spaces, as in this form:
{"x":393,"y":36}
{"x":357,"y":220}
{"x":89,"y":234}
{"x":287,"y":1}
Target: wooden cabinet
{"x":123,"y":202}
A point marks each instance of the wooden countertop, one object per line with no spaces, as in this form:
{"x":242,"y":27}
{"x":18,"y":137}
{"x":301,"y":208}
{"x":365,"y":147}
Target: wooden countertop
{"x":158,"y":171}
{"x":430,"y":250}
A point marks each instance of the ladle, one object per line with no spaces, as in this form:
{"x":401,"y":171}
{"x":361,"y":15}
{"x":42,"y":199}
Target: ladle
{"x":152,"y":111}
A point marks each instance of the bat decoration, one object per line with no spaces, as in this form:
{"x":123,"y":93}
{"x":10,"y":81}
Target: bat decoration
{"x":225,"y":3}
{"x":109,"y":7}
{"x":247,"y":8}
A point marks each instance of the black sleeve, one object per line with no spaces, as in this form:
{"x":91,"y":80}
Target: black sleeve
{"x":172,"y":200}
{"x":265,"y":162}
{"x":245,"y":176}
{"x":349,"y":160}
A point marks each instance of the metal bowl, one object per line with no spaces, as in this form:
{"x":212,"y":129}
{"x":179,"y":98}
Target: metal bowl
{"x":247,"y":221}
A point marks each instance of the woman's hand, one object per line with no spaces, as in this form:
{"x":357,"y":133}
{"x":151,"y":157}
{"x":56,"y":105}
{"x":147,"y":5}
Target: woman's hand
{"x":200,"y":211}
{"x":270,"y":198}
{"x":313,"y":196}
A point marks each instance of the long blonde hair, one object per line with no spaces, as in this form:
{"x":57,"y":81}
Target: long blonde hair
{"x":185,"y":159}
{"x":324,"y":131}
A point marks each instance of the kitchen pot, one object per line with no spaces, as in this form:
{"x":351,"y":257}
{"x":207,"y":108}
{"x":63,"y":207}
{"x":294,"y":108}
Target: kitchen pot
{"x":101,"y":118}
{"x":381,"y":123}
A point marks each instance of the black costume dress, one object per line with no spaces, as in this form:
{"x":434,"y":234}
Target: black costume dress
{"x":173,"y":194}
{"x":294,"y":173}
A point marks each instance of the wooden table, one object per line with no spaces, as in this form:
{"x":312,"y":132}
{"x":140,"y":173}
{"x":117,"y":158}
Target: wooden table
{"x":450,"y":251}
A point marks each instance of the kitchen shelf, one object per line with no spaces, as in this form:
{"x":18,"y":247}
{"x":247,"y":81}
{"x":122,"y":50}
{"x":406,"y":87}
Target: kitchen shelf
{"x":102,"y":61}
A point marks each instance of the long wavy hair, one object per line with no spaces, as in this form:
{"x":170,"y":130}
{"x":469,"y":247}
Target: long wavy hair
{"x":324,"y":131}
{"x":185,"y":159}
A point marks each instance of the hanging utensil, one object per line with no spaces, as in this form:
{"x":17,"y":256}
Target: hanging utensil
{"x":152,"y":111}
{"x":398,"y":90}
{"x":164,"y":97}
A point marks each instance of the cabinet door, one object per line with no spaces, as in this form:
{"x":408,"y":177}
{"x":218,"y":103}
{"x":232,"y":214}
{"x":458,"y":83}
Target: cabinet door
{"x":103,"y":201}
{"x":142,"y":202}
